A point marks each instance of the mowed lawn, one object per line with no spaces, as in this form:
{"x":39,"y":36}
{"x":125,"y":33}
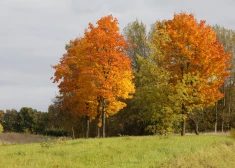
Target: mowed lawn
{"x":137,"y":152}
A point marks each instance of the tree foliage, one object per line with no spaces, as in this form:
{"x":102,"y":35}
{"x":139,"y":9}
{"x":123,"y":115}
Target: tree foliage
{"x":196,"y":60}
{"x":95,"y":74}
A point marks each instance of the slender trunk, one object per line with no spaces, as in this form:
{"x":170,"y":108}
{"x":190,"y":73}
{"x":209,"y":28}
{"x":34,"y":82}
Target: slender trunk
{"x":103,"y":117}
{"x":98,"y":117}
{"x":216,"y":116}
{"x":222,"y":124}
{"x":97,"y":126}
{"x":194,"y":123}
{"x":183,"y":121}
{"x":229,"y":111}
{"x":98,"y":132}
{"x":83,"y":129}
{"x":183,"y":127}
{"x":87,"y":126}
{"x":73,"y":132}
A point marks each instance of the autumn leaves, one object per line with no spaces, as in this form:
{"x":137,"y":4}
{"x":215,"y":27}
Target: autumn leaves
{"x":95,"y":75}
{"x":196,"y":60}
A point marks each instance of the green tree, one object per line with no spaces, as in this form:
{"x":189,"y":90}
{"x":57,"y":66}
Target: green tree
{"x":27,"y":119}
{"x":1,"y":128}
{"x":136,"y":35}
{"x":11,"y":121}
{"x":1,"y":116}
{"x":150,"y":109}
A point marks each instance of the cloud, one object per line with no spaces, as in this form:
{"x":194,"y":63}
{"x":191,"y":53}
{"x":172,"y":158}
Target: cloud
{"x":33,"y":34}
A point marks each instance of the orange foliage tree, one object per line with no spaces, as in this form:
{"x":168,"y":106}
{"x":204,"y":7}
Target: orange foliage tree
{"x":196,"y":60}
{"x":95,"y":74}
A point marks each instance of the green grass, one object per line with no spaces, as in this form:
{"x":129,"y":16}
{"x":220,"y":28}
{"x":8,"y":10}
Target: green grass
{"x":136,"y":152}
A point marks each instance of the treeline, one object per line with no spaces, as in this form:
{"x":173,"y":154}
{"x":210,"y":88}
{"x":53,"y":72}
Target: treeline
{"x":29,"y":120}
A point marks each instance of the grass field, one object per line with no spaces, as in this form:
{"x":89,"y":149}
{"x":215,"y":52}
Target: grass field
{"x":137,"y":152}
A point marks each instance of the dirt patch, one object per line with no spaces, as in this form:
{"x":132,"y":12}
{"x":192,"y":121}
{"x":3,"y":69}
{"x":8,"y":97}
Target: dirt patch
{"x":15,"y":138}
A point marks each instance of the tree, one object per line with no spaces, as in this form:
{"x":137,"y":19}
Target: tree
{"x":11,"y":121}
{"x":136,"y":36}
{"x":27,"y":119}
{"x":95,"y":75}
{"x":226,"y":106}
{"x":1,"y":116}
{"x":150,"y":109}
{"x":1,"y":128}
{"x":197,"y":62}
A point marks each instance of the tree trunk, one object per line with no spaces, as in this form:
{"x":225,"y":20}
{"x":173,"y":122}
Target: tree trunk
{"x":223,"y":110}
{"x":216,"y":116}
{"x":194,"y":123}
{"x":73,"y":132}
{"x":222,"y":126}
{"x":103,"y":117}
{"x":87,"y":126}
{"x":183,"y":127}
{"x":183,"y":121}
{"x":98,"y":132}
{"x":97,"y":126}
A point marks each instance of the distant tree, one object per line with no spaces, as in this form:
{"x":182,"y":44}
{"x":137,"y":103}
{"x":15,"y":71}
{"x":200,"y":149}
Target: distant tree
{"x":225,"y":106}
{"x":136,"y":35}
{"x":1,"y":128}
{"x":130,"y":118}
{"x":1,"y":116}
{"x":41,"y":122}
{"x":27,"y":119}
{"x":11,"y":121}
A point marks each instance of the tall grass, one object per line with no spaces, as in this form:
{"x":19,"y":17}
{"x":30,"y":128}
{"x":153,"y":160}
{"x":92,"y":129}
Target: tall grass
{"x":136,"y":152}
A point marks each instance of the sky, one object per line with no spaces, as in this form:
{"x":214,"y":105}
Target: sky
{"x":33,"y":34}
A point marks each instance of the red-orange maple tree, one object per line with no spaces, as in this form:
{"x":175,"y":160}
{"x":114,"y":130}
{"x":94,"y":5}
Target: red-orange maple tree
{"x":196,"y":60}
{"x":95,"y":74}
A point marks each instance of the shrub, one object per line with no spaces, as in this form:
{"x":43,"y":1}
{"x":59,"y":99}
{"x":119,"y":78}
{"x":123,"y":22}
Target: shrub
{"x":1,"y":128}
{"x":48,"y":143}
{"x":232,"y":133}
{"x":57,"y":133}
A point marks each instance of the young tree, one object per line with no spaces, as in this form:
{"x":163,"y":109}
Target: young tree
{"x":197,"y":62}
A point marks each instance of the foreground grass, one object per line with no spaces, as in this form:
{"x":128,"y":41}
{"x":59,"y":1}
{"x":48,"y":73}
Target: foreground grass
{"x":151,"y":151}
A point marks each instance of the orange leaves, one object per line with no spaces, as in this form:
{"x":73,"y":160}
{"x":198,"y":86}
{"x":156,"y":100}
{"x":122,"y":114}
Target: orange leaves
{"x":193,"y":49}
{"x":95,"y":66}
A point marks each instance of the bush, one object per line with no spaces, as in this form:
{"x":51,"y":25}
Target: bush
{"x":56,"y":133}
{"x":1,"y":128}
{"x":232,"y":133}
